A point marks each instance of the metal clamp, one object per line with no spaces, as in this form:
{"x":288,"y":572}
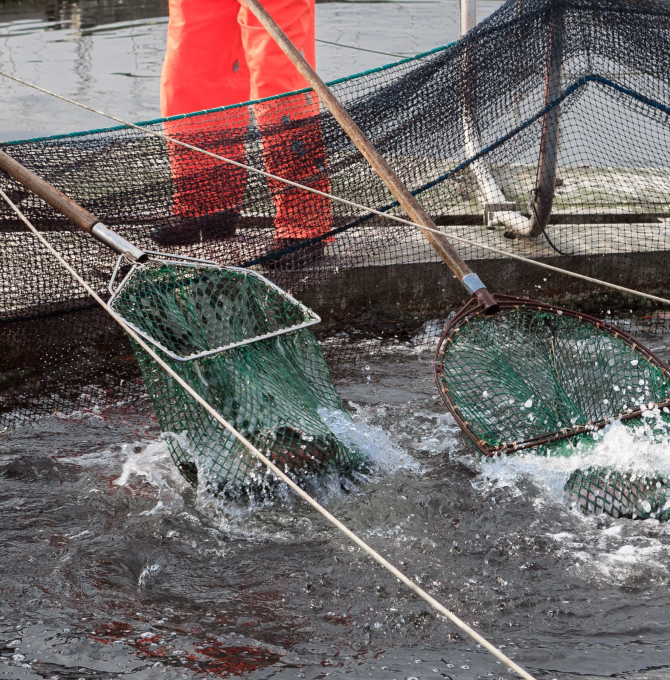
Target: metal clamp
{"x":472,"y":283}
{"x":117,"y":243}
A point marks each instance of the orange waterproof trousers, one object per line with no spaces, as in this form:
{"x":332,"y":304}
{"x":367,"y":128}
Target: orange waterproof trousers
{"x":218,"y":54}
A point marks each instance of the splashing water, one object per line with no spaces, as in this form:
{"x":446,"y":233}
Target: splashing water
{"x":372,"y":441}
{"x":639,"y":447}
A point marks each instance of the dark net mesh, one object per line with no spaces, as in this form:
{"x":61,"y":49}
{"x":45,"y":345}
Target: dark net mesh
{"x":598,"y":490}
{"x":544,"y":133}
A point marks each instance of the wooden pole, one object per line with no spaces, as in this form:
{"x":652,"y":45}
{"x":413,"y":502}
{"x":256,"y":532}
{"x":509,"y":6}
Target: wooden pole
{"x":545,"y":183}
{"x":67,"y":207}
{"x":446,"y":251}
{"x":468,"y":15}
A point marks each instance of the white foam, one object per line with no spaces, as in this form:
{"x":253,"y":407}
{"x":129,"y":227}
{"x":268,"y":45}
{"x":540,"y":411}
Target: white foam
{"x":641,"y":449}
{"x":151,"y":462}
{"x":371,"y":441}
{"x":601,"y":549}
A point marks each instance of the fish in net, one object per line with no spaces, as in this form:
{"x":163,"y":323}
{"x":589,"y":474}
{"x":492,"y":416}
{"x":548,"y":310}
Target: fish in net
{"x":241,"y":342}
{"x":246,"y":347}
{"x":603,"y":490}
{"x":534,"y":374}
{"x":536,"y":91}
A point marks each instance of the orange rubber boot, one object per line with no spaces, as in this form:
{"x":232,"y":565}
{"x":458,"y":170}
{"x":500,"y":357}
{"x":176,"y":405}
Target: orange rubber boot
{"x":205,"y":68}
{"x":290,"y":128}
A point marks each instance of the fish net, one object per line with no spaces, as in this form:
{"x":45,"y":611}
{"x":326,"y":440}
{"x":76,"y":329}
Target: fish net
{"x":534,"y":374}
{"x":546,"y":103}
{"x":598,"y":490}
{"x":246,"y":348}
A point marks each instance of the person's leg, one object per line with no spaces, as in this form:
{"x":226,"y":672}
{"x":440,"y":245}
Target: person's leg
{"x":205,"y":68}
{"x":290,"y":127}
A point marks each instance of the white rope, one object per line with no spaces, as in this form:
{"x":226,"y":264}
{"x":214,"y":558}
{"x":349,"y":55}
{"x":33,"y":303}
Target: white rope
{"x":332,"y":197}
{"x":441,"y":609}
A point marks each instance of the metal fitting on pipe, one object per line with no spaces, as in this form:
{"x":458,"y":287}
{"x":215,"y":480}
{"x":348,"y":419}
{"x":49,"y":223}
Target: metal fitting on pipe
{"x":117,"y":243}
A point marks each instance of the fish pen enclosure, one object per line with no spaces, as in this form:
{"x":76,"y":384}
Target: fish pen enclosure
{"x":543,"y":134}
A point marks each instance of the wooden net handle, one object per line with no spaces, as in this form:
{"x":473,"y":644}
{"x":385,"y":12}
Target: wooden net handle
{"x":395,"y":185}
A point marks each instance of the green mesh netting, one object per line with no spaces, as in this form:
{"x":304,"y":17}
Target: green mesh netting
{"x":189,"y":310}
{"x":525,"y":375}
{"x":602,"y":490}
{"x":275,"y":391}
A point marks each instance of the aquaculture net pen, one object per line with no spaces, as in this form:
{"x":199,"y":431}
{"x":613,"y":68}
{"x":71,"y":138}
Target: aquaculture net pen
{"x":440,"y":119}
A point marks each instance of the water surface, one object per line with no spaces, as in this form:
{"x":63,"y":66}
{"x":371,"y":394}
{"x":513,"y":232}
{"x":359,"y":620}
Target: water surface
{"x":108,"y":54}
{"x":113,"y":567}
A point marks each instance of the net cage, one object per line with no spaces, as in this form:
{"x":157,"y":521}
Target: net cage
{"x":544,"y":133}
{"x":247,"y":348}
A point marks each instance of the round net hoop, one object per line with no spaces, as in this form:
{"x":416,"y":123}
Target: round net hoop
{"x":534,"y":373}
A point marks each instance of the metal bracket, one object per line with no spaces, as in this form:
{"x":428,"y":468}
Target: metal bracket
{"x":117,"y":243}
{"x":491,"y":208}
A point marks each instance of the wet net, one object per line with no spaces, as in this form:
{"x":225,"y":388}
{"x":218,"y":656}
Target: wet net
{"x":246,"y":348}
{"x":544,"y":133}
{"x":534,"y":374}
{"x":598,"y":490}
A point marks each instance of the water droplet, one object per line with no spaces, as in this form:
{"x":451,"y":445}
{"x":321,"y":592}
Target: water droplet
{"x":528,"y":403}
{"x":634,"y":362}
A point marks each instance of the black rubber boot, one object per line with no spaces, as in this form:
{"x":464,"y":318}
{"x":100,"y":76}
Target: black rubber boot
{"x":185,"y":231}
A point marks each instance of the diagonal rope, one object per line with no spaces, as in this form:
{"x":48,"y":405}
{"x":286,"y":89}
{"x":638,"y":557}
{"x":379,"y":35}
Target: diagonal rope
{"x":441,"y":609}
{"x":395,"y":218}
{"x":362,"y":49}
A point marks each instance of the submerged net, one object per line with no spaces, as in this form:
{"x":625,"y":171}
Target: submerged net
{"x":470,"y":128}
{"x":533,"y":374}
{"x":598,"y":490}
{"x":244,"y":346}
